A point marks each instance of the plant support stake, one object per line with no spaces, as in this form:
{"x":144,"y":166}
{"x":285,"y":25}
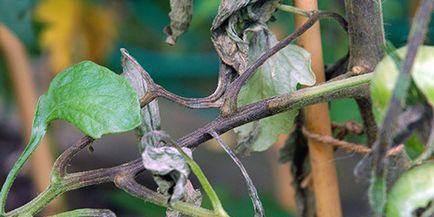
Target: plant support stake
{"x":317,"y":120}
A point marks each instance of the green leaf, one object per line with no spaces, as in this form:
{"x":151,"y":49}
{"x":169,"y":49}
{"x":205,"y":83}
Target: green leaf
{"x":386,"y":75}
{"x":413,"y":190}
{"x":92,"y":98}
{"x":423,"y":72}
{"x":278,"y":75}
{"x":414,"y":146}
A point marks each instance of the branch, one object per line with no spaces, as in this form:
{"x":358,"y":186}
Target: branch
{"x":230,"y":103}
{"x":257,"y":204}
{"x":351,"y":87}
{"x":122,"y":175}
{"x":154,"y":90}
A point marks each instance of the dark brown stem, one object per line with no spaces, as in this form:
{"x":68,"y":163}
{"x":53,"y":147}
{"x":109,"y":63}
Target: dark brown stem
{"x":230,"y":103}
{"x":365,"y":108}
{"x":366,"y":39}
{"x":275,"y":105}
{"x":155,"y":90}
{"x":366,"y":34}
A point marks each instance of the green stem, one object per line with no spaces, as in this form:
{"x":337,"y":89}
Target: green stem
{"x":37,"y":133}
{"x":215,"y":201}
{"x":39,"y":202}
{"x":86,"y":213}
{"x":294,"y":10}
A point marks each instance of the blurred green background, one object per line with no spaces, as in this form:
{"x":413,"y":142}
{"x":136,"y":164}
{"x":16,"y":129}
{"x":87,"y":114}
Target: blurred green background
{"x":58,"y":33}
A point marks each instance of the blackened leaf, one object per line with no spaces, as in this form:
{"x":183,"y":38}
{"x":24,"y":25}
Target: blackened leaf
{"x":278,"y":75}
{"x":180,"y":18}
{"x":414,"y":190}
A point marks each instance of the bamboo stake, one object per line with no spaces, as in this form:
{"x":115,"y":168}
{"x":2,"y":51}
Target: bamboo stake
{"x":317,"y":120}
{"x":24,"y":91}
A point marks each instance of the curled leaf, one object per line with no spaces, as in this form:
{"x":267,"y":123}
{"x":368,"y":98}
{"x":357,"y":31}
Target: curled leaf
{"x":169,"y":169}
{"x":228,"y":29}
{"x":180,"y":18}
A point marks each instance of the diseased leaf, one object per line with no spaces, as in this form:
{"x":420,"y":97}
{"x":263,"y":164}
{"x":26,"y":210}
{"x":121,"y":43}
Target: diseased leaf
{"x":414,"y":190}
{"x":280,"y":74}
{"x":169,"y":169}
{"x":92,"y":98}
{"x":228,"y":29}
{"x":191,"y":195}
{"x":150,"y":113}
{"x":180,"y":18}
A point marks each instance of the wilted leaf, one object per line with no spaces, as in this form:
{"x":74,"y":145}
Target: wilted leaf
{"x":180,"y":18}
{"x":280,"y":74}
{"x":150,"y":113}
{"x":92,"y":98}
{"x":191,"y":195}
{"x":414,"y":190}
{"x":169,"y":168}
{"x":74,"y":30}
{"x":228,"y":29}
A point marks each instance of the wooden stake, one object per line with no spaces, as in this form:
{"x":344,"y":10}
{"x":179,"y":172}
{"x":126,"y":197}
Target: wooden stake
{"x":25,"y":95}
{"x":317,"y":120}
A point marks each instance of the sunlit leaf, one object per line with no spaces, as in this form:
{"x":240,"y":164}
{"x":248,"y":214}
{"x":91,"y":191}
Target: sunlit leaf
{"x":278,"y":75}
{"x":92,"y":98}
{"x":74,"y":30}
{"x":386,"y":75}
{"x":414,"y":190}
{"x":423,"y":72}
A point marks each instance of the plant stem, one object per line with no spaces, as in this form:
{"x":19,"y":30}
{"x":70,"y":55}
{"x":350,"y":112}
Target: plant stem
{"x":294,"y":10}
{"x":317,"y":120}
{"x":86,"y":213}
{"x":39,"y":202}
{"x":25,"y":92}
{"x":350,"y":87}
